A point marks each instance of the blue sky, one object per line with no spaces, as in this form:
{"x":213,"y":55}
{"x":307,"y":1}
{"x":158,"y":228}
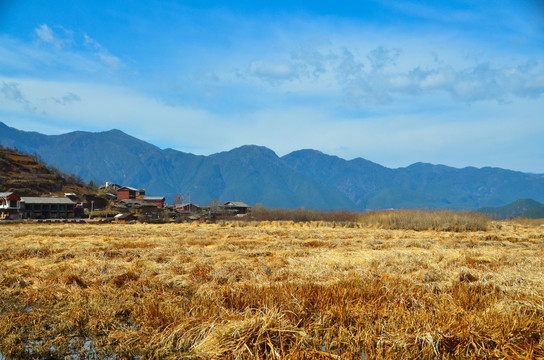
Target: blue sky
{"x":459,"y":83}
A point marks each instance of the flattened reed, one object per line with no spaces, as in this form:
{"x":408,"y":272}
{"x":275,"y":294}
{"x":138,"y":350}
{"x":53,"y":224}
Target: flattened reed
{"x":274,"y":290}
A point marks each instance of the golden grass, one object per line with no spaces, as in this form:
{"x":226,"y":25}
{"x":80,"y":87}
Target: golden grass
{"x":443,"y":220}
{"x":277,"y":290}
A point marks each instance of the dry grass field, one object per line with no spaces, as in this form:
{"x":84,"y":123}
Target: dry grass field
{"x":275,"y":290}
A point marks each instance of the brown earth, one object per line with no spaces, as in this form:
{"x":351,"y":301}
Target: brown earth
{"x":23,"y":175}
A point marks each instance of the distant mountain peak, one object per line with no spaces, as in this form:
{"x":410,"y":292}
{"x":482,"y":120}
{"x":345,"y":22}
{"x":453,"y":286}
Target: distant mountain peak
{"x":114,"y":131}
{"x":253,"y":151}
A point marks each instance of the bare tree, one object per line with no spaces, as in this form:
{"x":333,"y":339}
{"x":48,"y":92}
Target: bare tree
{"x":214,"y":204}
{"x":178,"y":199}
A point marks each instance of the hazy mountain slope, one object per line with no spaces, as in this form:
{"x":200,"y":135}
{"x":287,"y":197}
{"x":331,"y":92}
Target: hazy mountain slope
{"x":259,"y":175}
{"x":357,"y":179}
{"x":514,"y":209}
{"x":370,"y":185}
{"x":470,"y":187}
{"x":534,"y":213}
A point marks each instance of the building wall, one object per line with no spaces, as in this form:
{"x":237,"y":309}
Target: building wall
{"x":48,"y":211}
{"x":189,"y":207}
{"x":126,"y":194}
{"x":159,"y":203}
{"x":9,"y":207}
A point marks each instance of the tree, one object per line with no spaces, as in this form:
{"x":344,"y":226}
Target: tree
{"x":214,"y":204}
{"x":178,"y":199}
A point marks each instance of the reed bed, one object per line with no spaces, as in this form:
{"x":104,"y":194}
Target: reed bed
{"x":442,"y":220}
{"x":270,"y":290}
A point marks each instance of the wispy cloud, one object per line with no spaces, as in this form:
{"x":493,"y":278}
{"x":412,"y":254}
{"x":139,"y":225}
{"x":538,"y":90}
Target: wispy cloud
{"x":12,"y":93}
{"x":102,"y":53}
{"x":376,"y":78}
{"x":272,"y":72}
{"x":73,"y":51}
{"x":45,"y":34}
{"x":380,"y":57}
{"x":67,"y":99}
{"x":311,"y":61}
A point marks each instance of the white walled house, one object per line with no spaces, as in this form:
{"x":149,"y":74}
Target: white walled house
{"x":9,"y":205}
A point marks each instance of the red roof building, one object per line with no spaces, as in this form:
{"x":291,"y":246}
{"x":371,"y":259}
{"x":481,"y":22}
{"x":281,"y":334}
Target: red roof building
{"x":9,"y":205}
{"x":158,"y":200}
{"x":130,"y":193}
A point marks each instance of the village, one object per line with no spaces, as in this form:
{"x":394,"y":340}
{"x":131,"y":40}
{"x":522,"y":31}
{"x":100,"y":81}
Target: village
{"x":116,"y":203}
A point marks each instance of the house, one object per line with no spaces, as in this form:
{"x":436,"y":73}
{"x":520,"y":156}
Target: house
{"x":71,"y":196}
{"x":9,"y":205}
{"x":188,"y":207}
{"x":237,"y":206}
{"x":136,"y":207}
{"x":109,"y":186}
{"x":95,"y":202}
{"x":158,"y":200}
{"x":79,"y":211}
{"x":130,"y":193}
{"x":47,"y":208}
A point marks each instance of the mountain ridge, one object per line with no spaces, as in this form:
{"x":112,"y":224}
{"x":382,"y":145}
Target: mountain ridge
{"x":518,"y":208}
{"x":256,"y":174}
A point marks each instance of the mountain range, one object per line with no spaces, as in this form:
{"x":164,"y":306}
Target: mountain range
{"x":255,"y":174}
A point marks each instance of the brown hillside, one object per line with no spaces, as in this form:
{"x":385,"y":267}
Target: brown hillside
{"x":22,"y":174}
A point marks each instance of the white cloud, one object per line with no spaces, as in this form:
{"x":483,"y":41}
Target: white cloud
{"x":12,"y":93}
{"x":98,"y":107}
{"x":348,"y":68}
{"x":272,"y":71}
{"x":102,"y":53}
{"x":67,"y":99}
{"x":45,"y":33}
{"x":382,"y":76}
{"x":480,"y":81}
{"x":381,"y":57}
{"x":59,"y":60}
{"x":311,"y":61}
